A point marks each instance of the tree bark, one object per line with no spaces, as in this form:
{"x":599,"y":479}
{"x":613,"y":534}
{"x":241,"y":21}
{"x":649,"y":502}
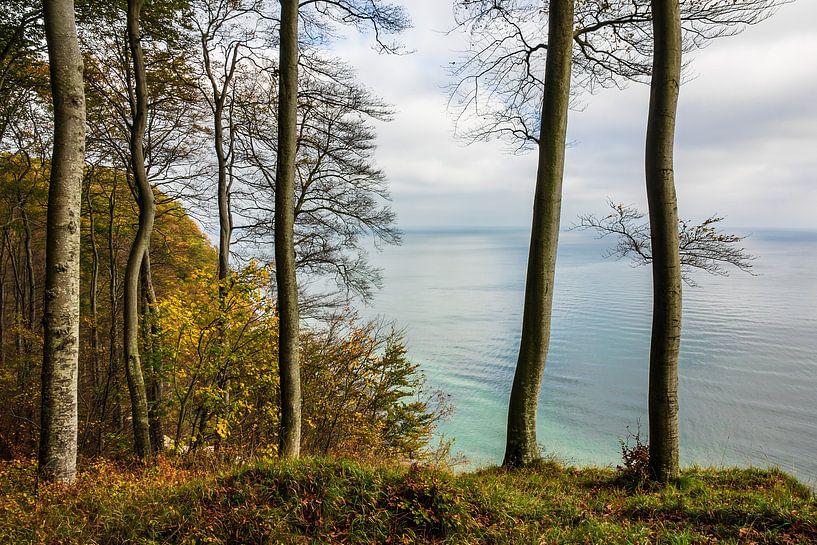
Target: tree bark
{"x":224,"y":215}
{"x":111,"y":380}
{"x":58,"y":435}
{"x":521,"y":447}
{"x":225,"y":160}
{"x":287,"y":287}
{"x":18,"y":300}
{"x":93,"y":290}
{"x":155,"y":390}
{"x":30,"y":277}
{"x":141,"y":243}
{"x":2,"y":301}
{"x":666,"y":266}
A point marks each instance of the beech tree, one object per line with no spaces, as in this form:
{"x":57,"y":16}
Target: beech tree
{"x":141,"y":243}
{"x":666,"y":260}
{"x":521,"y":447}
{"x":384,"y":18}
{"x":58,"y":434}
{"x":160,"y":103}
{"x":340,"y":194}
{"x":229,"y":34}
{"x":286,"y":281}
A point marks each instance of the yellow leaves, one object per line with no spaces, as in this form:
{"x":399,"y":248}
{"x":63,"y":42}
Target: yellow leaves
{"x":222,"y":428}
{"x":269,"y":452}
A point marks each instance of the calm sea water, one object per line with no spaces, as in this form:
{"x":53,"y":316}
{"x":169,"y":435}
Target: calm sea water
{"x":748,"y":371}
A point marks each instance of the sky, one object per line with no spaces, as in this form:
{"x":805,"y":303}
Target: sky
{"x":746,"y":145}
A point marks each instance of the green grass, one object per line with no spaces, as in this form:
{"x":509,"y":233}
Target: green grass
{"x":337,"y":501}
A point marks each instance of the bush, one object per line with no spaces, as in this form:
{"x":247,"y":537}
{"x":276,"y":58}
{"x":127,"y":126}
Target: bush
{"x":635,"y":457}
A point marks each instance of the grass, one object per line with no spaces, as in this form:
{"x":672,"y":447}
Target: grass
{"x":338,"y":501}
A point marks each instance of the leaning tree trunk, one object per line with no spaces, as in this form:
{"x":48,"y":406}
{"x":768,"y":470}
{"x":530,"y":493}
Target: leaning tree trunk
{"x":521,"y":447}
{"x":58,"y":433}
{"x":666,"y":264}
{"x":141,"y":243}
{"x":288,"y":357}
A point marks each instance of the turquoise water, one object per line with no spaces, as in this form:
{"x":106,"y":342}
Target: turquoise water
{"x":748,"y":372}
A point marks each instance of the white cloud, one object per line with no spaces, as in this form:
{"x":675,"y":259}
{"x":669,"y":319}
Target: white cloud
{"x":747,"y":132}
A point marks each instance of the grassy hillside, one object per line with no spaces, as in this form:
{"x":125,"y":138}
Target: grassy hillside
{"x":335,"y":501}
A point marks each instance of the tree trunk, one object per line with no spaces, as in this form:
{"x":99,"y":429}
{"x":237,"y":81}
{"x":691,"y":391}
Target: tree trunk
{"x":2,"y":302}
{"x":288,"y":356}
{"x":58,"y":435}
{"x":521,"y":447}
{"x":155,"y":391}
{"x":225,"y":227}
{"x":224,"y":214}
{"x":113,"y":332}
{"x":93,"y":290}
{"x":18,"y":298}
{"x":30,"y":277}
{"x":666,"y":265}
{"x":141,"y":243}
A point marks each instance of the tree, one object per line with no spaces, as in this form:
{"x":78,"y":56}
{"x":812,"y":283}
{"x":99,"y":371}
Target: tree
{"x":58,"y":436}
{"x":145,"y":122}
{"x":701,"y":246}
{"x":229,"y":34}
{"x":141,"y":243}
{"x":383,"y":17}
{"x":666,"y":260}
{"x":521,"y":447}
{"x":286,"y":281}
{"x":363,"y":397}
{"x":340,"y":194}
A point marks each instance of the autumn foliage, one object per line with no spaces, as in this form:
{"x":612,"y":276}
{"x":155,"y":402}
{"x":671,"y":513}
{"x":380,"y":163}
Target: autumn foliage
{"x":211,"y":358}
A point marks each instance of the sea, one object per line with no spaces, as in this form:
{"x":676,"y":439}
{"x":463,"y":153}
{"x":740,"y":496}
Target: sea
{"x":748,"y":367}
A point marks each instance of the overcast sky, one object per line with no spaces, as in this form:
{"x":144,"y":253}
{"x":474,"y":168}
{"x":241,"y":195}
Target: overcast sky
{"x":746,"y":147}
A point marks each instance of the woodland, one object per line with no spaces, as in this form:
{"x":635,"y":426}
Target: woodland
{"x":187,"y":191}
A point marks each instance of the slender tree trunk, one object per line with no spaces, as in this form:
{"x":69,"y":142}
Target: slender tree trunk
{"x":141,"y":243}
{"x":155,"y":391}
{"x":18,"y":297}
{"x":521,"y":447}
{"x":225,"y":235}
{"x":93,"y":290}
{"x":219,"y":100}
{"x":58,"y":435}
{"x":113,"y":332}
{"x":288,"y":349}
{"x":30,"y":277}
{"x":2,"y":302}
{"x":224,"y":213}
{"x":666,"y":264}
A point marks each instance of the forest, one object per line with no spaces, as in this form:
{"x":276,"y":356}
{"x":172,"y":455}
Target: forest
{"x":189,"y":194}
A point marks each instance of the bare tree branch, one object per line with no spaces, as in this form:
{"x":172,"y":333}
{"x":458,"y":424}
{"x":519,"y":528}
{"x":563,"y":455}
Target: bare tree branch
{"x":703,"y":246}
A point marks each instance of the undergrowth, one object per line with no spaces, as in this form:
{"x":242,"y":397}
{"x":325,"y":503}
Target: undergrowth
{"x":338,"y":501}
